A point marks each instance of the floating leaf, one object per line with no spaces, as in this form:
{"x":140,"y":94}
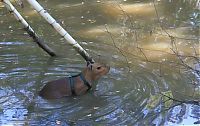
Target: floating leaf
{"x":153,"y":101}
{"x":166,"y":98}
{"x":197,"y":93}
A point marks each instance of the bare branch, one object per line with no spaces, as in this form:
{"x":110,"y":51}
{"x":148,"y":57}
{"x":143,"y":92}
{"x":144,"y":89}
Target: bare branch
{"x":118,"y":48}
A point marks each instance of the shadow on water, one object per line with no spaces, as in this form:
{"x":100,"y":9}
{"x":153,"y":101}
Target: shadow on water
{"x":141,"y":74}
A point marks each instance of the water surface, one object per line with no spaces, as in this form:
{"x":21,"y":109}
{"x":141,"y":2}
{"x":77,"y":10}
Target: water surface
{"x":128,"y":35}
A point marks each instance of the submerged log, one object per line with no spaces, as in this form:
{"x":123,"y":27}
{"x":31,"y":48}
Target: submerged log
{"x":28,"y":28}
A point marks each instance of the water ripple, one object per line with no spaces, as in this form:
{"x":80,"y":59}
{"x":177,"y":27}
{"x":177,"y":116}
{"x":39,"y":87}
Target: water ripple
{"x":12,"y":43}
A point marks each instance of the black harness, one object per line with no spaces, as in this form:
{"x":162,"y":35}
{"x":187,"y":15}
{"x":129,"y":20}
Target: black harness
{"x":71,"y":83}
{"x":85,"y":82}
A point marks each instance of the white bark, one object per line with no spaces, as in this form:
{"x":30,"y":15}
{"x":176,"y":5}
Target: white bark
{"x":59,"y":29}
{"x":198,"y":4}
{"x":27,"y":27}
{"x":11,"y":8}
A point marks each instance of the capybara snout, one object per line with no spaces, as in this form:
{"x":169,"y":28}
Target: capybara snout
{"x":98,"y":70}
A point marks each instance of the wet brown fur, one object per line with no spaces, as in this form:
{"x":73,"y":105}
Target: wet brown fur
{"x":61,"y":87}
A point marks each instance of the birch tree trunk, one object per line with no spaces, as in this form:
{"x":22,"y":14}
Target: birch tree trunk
{"x":198,"y":4}
{"x":28,"y":28}
{"x":60,"y":30}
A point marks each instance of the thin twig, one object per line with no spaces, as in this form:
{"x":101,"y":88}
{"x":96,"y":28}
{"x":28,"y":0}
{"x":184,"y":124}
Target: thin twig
{"x":118,"y":48}
{"x":181,"y":101}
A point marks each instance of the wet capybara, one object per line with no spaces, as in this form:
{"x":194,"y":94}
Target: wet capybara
{"x":75,"y":85}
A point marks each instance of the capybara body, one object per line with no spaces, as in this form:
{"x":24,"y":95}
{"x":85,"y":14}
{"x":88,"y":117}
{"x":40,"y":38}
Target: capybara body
{"x":75,"y":85}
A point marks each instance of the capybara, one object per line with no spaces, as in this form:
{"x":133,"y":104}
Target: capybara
{"x":75,"y":85}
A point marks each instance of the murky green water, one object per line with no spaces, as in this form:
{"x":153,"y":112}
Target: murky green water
{"x":124,"y":34}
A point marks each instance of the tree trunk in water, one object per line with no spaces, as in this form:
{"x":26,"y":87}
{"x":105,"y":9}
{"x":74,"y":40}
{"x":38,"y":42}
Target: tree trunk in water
{"x":28,"y":28}
{"x":60,"y":30}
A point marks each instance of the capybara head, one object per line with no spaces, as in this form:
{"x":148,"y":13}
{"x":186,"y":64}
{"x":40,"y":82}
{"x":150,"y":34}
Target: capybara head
{"x":96,"y":70}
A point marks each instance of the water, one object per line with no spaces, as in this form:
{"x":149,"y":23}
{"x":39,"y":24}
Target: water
{"x":120,"y":33}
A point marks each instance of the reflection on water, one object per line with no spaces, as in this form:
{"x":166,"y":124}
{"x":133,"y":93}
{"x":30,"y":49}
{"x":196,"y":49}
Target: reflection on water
{"x":137,"y":10}
{"x":124,"y":34}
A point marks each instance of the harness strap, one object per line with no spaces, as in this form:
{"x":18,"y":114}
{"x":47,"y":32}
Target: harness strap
{"x":71,"y":82}
{"x":85,"y":82}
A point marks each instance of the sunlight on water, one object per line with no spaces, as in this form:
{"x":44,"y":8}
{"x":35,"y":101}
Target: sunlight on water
{"x":114,"y":9}
{"x":125,"y":34}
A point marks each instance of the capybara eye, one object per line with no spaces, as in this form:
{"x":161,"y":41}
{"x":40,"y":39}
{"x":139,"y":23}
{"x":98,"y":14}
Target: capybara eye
{"x":98,"y":68}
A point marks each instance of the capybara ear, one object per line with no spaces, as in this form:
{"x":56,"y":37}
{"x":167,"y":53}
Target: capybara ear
{"x":88,"y":63}
{"x":90,"y":66}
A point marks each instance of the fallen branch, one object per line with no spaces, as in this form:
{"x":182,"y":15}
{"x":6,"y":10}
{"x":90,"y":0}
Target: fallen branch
{"x":28,"y":28}
{"x":60,"y":30}
{"x":195,"y":102}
